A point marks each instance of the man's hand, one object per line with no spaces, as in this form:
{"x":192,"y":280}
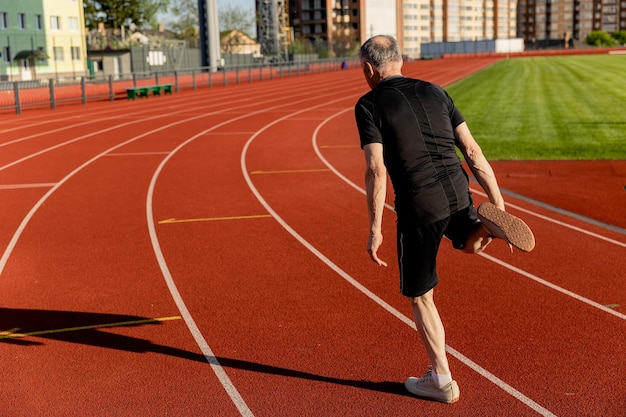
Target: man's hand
{"x":373,"y":243}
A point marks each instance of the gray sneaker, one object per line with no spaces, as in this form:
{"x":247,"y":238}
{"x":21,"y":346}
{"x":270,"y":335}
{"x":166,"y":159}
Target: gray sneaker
{"x":506,"y":226}
{"x":426,"y":388}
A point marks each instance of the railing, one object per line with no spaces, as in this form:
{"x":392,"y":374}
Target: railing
{"x":18,"y":95}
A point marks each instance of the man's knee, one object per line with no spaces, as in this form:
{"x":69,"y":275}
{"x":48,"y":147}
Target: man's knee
{"x":477,"y":240}
{"x":423,"y":299}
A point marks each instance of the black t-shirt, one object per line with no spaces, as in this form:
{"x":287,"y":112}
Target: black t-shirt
{"x":415,"y":121}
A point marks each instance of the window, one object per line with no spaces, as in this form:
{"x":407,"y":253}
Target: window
{"x":75,"y":53}
{"x":38,"y":22}
{"x":6,"y":54}
{"x":73,"y":24}
{"x":21,"y":20}
{"x":58,"y":53}
{"x":4,"y":20}
{"x":55,"y":22}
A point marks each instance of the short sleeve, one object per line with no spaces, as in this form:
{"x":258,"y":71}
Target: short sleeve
{"x":368,"y":130}
{"x":455,"y":115}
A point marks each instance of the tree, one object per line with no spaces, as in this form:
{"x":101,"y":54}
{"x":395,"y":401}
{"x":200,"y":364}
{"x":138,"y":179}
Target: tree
{"x":185,"y":20}
{"x":620,"y":37}
{"x":185,"y":13}
{"x":236,"y":18}
{"x":118,"y":13}
{"x":599,"y":38}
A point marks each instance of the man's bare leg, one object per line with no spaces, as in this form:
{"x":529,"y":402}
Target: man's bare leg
{"x":431,"y":331}
{"x":436,"y":384}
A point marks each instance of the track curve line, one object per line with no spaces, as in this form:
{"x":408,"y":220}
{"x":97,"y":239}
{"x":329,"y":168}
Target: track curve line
{"x":102,"y":131}
{"x":217,"y":368}
{"x":14,"y":239}
{"x":560,"y":223}
{"x":206,"y":350}
{"x":347,"y":277}
{"x":60,"y":145}
{"x":57,"y":185}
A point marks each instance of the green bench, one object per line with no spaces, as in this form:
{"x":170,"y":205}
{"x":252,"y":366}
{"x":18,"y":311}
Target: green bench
{"x":144,"y":91}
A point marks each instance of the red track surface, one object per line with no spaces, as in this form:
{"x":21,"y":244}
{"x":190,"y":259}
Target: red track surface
{"x":230,"y":216}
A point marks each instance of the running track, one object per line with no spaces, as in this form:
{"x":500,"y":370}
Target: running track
{"x":203,"y":254}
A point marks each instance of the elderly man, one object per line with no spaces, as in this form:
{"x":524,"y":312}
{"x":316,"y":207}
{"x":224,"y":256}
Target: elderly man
{"x":409,"y":129}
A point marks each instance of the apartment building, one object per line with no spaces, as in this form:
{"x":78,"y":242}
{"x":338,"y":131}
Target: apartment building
{"x":549,"y":21}
{"x":342,"y":25}
{"x":41,"y":39}
{"x":332,"y":25}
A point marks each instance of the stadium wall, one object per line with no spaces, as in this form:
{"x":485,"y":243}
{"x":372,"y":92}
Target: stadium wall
{"x":439,"y":49}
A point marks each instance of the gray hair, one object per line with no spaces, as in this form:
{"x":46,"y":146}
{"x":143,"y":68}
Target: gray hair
{"x":380,"y":51}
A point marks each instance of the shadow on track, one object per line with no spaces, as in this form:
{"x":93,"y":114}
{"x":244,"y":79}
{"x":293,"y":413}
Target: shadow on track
{"x":24,"y":327}
{"x":389,"y":387}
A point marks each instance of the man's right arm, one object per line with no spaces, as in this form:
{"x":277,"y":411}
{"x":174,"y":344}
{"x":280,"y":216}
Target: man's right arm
{"x":376,"y":191}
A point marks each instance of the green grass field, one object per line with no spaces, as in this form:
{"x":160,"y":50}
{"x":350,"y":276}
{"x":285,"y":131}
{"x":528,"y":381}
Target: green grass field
{"x":566,"y":107}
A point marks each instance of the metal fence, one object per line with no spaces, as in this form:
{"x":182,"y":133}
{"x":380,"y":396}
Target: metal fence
{"x":49,"y":93}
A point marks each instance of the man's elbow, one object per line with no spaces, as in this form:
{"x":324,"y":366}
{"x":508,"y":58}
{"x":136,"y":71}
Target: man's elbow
{"x":474,"y":154}
{"x":375,"y":172}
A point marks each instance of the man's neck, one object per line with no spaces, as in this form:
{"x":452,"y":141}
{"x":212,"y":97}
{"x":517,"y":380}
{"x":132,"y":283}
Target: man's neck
{"x":394,"y":71}
{"x":391,"y":74}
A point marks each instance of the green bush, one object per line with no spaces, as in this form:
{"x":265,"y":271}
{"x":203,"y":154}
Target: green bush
{"x":599,"y":38}
{"x":620,"y":37}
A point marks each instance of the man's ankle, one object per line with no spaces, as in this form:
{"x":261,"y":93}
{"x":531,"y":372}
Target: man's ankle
{"x":441,"y":380}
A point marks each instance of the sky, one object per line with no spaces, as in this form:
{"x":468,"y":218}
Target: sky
{"x":248,"y":4}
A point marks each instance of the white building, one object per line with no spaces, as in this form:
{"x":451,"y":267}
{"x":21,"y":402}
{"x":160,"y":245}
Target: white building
{"x":426,"y":21}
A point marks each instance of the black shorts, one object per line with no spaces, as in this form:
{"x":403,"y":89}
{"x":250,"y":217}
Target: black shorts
{"x":418,"y":246}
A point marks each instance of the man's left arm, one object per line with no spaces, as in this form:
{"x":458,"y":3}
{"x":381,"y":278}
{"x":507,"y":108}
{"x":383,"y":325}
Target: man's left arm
{"x":478,"y":164}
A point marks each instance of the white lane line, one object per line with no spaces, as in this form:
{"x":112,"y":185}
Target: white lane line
{"x":563,"y":212}
{"x":187,"y":317}
{"x":173,"y":102}
{"x":16,"y":236}
{"x":210,"y":104}
{"x":217,"y":368}
{"x":507,"y":388}
{"x":76,"y":139}
{"x":554,"y":287}
{"x":220,"y":373}
{"x":560,"y":223}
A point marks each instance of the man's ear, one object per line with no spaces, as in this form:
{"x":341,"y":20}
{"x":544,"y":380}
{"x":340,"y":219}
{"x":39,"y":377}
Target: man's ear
{"x":368,"y":69}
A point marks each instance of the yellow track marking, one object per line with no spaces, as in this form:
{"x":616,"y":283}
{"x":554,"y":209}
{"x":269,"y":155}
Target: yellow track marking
{"x":138,"y":153}
{"x":11,"y":334}
{"x":18,"y":186}
{"x":293,"y":171}
{"x":211,"y":219}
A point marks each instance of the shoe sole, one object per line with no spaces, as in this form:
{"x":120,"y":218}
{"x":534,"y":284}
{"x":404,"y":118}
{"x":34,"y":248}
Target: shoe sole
{"x":507,"y":227}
